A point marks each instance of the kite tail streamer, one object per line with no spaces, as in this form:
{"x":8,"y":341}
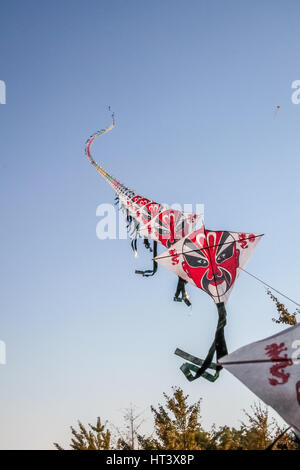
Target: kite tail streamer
{"x":218,"y":346}
{"x":181,"y":290}
{"x":147,"y":245}
{"x":150,"y":272}
{"x":134,"y":246}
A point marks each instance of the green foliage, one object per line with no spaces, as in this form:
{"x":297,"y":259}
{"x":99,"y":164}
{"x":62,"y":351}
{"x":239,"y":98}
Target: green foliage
{"x":225,"y":438}
{"x":177,"y":426}
{"x":128,"y":437}
{"x":258,"y":433}
{"x":284,"y":316}
{"x":95,"y":438}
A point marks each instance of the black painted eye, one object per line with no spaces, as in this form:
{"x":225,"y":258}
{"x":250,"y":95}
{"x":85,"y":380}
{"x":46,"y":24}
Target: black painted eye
{"x":226,"y":253}
{"x":196,"y":261}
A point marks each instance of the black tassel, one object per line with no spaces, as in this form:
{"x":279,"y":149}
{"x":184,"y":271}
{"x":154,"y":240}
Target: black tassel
{"x":150,"y":272}
{"x":134,"y":246}
{"x":181,"y":290}
{"x":218,"y":346}
{"x":147,"y":244}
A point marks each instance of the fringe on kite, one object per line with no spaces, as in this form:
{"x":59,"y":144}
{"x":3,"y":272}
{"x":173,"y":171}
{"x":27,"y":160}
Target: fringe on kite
{"x":181,"y":294}
{"x":147,"y":245}
{"x":150,"y":272}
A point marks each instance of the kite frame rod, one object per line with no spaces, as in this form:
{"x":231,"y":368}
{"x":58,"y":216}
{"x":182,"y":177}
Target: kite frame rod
{"x":207,"y":247}
{"x":256,"y":361}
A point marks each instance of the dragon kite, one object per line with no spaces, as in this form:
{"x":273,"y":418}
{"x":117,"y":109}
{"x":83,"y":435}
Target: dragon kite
{"x":208,"y":259}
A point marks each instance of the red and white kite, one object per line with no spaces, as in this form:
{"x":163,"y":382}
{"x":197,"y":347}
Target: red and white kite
{"x":210,"y":260}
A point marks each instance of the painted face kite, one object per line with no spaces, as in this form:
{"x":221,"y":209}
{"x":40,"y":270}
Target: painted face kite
{"x":208,"y":259}
{"x":211,"y":269}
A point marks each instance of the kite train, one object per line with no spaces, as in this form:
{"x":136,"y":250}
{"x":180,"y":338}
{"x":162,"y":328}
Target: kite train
{"x":212,"y":260}
{"x":208,"y":259}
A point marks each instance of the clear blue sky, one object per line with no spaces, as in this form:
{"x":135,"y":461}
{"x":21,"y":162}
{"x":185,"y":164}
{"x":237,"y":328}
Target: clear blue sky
{"x":194,"y":86}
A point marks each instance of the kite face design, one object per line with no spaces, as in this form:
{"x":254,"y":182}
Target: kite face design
{"x":149,"y":211}
{"x":211,"y":260}
{"x":169,"y":227}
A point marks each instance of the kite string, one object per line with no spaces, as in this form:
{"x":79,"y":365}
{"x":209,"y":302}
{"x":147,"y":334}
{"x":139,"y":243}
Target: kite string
{"x":268,"y":285}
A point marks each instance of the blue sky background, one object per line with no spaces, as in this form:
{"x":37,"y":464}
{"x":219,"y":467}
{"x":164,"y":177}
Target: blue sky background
{"x":194,"y":86}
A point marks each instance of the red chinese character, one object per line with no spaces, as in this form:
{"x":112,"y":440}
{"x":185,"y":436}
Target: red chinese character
{"x":174,"y":258}
{"x":277,"y":370}
{"x":242,"y":240}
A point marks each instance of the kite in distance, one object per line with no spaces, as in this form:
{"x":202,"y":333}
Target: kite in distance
{"x":271,"y":369}
{"x":208,"y":259}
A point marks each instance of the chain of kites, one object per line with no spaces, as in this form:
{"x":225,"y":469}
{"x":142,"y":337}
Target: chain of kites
{"x":212,"y":261}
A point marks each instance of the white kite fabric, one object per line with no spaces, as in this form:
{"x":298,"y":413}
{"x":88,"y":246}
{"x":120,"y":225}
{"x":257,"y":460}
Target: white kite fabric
{"x":271,"y":369}
{"x":170,"y":225}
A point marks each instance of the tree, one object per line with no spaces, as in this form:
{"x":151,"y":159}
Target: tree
{"x":128,"y":439}
{"x":95,"y":438}
{"x":285,"y":316}
{"x":258,"y":433}
{"x":225,"y":438}
{"x":176,"y":425}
